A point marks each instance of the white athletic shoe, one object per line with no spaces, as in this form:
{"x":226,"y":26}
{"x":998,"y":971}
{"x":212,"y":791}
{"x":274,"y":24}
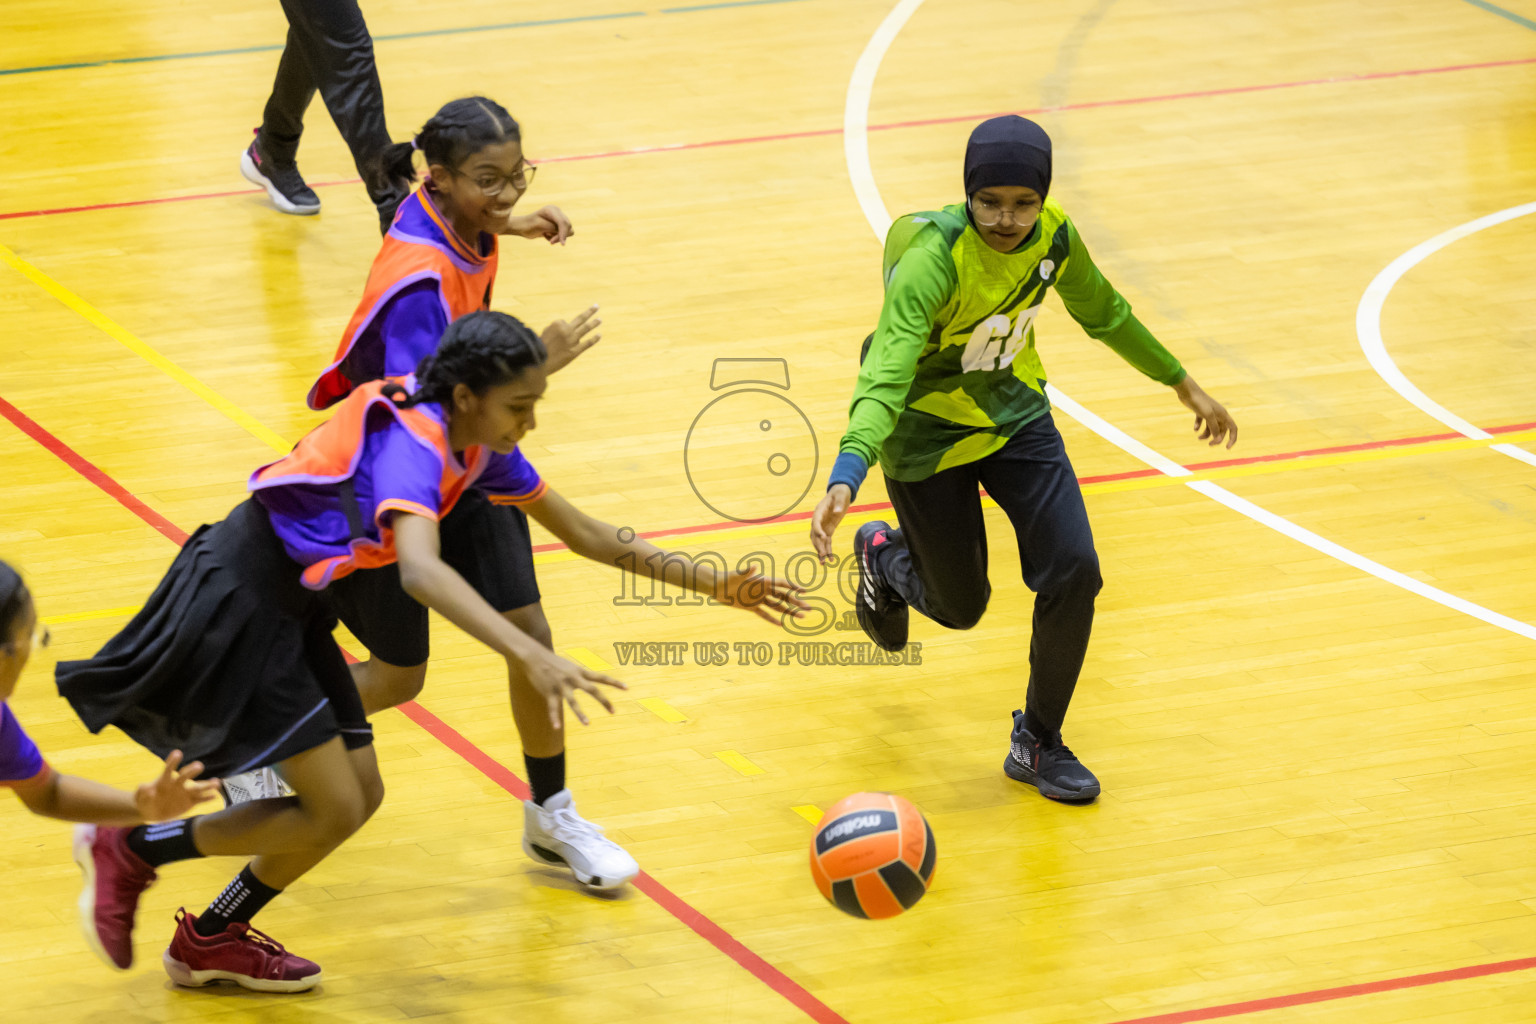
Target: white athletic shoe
{"x":261,"y":784}
{"x":556,"y":834}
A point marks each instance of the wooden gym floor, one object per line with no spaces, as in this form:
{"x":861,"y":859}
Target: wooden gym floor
{"x":1310,"y":694}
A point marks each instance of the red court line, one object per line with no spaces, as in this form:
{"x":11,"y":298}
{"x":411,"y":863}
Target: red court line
{"x":680,"y":909}
{"x":823,"y":132}
{"x":1130,"y":474}
{"x":1324,"y":995}
{"x":445,"y":734}
{"x":163,"y":199}
{"x":74,"y":460}
{"x":646,"y":883}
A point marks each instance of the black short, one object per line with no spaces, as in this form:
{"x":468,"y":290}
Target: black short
{"x":486,"y":543}
{"x":489,"y":545}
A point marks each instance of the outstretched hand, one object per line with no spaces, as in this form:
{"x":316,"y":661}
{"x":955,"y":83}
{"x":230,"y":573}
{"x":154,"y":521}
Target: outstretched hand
{"x":549,"y":223}
{"x":824,"y":521}
{"x":567,"y":339}
{"x":1212,"y":421}
{"x":558,"y":679}
{"x":175,"y":792}
{"x":769,"y":598}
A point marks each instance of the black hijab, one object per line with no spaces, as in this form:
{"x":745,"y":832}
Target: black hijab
{"x":1008,"y":150}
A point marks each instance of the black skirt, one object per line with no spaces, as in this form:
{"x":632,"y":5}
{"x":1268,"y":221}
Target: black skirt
{"x":231,"y":661}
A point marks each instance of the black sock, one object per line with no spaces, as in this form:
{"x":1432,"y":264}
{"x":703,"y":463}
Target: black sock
{"x":546,"y":776}
{"x":237,"y":904}
{"x":163,"y":843}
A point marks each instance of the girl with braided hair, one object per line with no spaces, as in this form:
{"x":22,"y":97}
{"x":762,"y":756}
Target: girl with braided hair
{"x":439,"y":256}
{"x":438,"y":262}
{"x":53,"y":794}
{"x":232,"y":659}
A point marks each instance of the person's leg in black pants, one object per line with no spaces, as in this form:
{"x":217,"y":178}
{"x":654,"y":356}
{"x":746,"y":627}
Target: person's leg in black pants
{"x":330,"y":51}
{"x":1032,"y":480}
{"x":282,"y":122}
{"x":937,"y":558}
{"x":937,"y":563}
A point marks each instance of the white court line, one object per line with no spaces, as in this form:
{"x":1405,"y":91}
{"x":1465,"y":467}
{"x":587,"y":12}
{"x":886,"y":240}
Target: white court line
{"x":1368,"y":326}
{"x":860,"y":173}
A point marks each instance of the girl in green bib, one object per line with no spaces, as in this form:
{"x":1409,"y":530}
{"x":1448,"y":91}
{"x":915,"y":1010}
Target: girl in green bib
{"x":951,"y":397}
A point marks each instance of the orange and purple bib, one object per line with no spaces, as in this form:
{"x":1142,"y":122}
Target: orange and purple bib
{"x":424,"y":278}
{"x":332,"y":499}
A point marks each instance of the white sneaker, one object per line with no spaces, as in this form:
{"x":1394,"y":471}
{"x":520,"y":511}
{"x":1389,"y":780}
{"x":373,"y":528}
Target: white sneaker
{"x":556,"y":834}
{"x":261,"y":784}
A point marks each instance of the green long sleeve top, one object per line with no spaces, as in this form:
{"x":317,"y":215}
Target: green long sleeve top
{"x":951,"y":372}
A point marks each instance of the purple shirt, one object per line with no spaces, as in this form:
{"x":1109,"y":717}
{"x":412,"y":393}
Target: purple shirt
{"x":20,"y":760}
{"x":410,"y":328}
{"x":397,"y":471}
{"x":413,"y":320}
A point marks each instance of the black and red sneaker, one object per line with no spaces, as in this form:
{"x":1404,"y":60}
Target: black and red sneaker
{"x":240,"y":954}
{"x":283,"y":184}
{"x":115,"y":877}
{"x":882,"y":612}
{"x":1047,"y":764}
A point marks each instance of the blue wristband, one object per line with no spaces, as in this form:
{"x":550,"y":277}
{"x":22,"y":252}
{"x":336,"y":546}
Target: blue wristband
{"x":849,"y":469}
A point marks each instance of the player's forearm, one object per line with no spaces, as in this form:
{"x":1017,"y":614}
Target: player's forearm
{"x":878,"y":399}
{"x":648,"y":561}
{"x":70,"y":798}
{"x":1136,"y":345}
{"x":436,"y":585}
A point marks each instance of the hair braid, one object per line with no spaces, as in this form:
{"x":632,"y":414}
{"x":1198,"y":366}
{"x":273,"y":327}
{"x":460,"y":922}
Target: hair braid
{"x":456,"y":132}
{"x":481,"y":350}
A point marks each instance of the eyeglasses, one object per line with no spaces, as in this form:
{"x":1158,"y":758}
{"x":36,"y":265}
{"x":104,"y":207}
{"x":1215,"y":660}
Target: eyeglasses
{"x":493,"y":185}
{"x":989,"y":213}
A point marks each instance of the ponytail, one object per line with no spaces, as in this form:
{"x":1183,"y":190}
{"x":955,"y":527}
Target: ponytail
{"x":455,"y":133}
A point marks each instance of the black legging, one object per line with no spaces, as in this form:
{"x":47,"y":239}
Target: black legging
{"x":329,"y":49}
{"x":940,"y":567}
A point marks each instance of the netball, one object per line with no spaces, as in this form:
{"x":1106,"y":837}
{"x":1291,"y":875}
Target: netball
{"x":873,"y":855}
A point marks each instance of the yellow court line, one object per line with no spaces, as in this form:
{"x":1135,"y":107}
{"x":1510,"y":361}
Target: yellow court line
{"x":662,"y":710}
{"x":810,"y":812}
{"x":737,"y":760}
{"x":1311,"y":462}
{"x":586,"y":658}
{"x":144,"y":351}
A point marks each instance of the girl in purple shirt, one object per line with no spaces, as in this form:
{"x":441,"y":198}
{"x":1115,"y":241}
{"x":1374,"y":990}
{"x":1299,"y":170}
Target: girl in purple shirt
{"x":232,"y":660}
{"x":53,"y":794}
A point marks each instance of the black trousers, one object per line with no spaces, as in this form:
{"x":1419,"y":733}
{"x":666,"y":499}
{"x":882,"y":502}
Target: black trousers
{"x":939,"y":564}
{"x":329,"y":50}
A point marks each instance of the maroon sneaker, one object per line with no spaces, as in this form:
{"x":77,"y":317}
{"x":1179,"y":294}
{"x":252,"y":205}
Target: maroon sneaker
{"x":241,"y":954}
{"x":115,"y":877}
